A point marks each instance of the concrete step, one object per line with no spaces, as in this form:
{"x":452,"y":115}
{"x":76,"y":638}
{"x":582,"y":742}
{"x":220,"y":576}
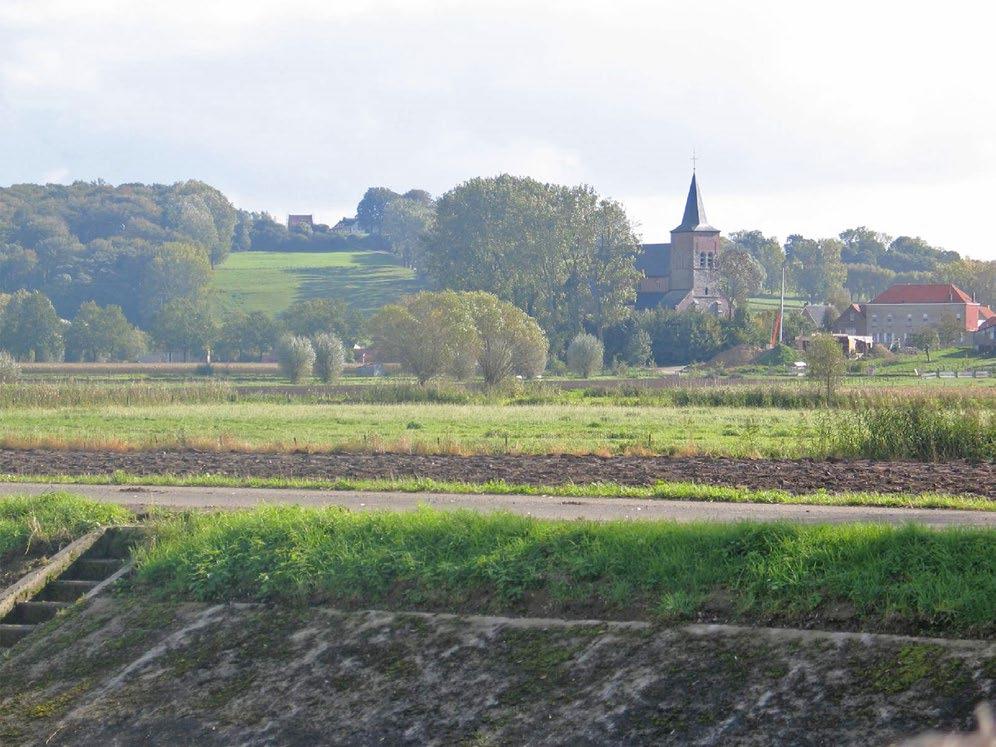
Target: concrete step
{"x":32,"y":613}
{"x":93,"y":569}
{"x":65,"y":591}
{"x":11,"y":634}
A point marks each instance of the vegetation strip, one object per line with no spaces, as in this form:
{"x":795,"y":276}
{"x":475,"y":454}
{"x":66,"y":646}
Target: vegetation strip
{"x":673,"y":491}
{"x":870,"y":577}
{"x":50,"y":520}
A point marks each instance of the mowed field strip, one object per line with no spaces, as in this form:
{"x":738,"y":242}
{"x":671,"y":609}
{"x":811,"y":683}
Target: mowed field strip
{"x":541,"y":507}
{"x":444,"y":428}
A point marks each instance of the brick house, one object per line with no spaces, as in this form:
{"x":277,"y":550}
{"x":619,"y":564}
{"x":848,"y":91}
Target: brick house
{"x":905,"y":309}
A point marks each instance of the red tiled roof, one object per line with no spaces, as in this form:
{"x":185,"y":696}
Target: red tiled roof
{"x":986,"y":313}
{"x":932,"y":293}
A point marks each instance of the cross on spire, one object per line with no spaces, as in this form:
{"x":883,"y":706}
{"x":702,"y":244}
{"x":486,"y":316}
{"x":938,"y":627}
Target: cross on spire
{"x":694,"y":159}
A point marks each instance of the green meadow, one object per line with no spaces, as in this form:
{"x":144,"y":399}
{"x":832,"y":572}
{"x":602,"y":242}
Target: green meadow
{"x":272,"y":281}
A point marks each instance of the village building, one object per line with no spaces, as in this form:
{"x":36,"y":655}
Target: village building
{"x":682,"y":275}
{"x":295,"y":221}
{"x":985,"y":338}
{"x":905,"y":309}
{"x":348,"y":227}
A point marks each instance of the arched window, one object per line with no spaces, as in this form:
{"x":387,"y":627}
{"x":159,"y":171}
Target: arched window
{"x":702,"y":259}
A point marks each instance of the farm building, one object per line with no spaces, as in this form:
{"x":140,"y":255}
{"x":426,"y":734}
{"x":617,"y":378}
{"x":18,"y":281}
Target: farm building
{"x":905,"y":309}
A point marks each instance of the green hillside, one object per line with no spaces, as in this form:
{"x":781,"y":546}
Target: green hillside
{"x":271,"y":281}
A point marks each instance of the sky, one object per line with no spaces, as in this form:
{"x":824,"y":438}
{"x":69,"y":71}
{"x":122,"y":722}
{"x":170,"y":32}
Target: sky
{"x":804,"y":118}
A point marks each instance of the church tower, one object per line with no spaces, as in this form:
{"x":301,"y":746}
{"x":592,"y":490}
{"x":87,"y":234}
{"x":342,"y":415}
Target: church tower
{"x":694,"y":248}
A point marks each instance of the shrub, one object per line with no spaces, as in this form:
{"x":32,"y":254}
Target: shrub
{"x":780,"y":355}
{"x":9,"y":370}
{"x":296,"y":357}
{"x":330,"y":357}
{"x":585,"y":354}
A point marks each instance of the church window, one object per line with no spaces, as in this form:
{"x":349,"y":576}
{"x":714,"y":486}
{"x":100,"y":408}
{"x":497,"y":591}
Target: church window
{"x":702,"y":259}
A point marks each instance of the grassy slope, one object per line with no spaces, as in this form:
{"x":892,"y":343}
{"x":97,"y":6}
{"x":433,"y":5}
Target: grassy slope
{"x":50,"y":519}
{"x":949,"y":359}
{"x":888,"y":578}
{"x":424,"y":427}
{"x":271,"y":281}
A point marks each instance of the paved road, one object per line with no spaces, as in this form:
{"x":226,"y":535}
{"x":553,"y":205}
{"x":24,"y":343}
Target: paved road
{"x":547,"y":507}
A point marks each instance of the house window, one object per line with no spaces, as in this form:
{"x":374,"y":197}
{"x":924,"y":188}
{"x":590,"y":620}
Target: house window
{"x":909,"y":317}
{"x":889,"y":319}
{"x":874,"y":317}
{"x":926,"y":317}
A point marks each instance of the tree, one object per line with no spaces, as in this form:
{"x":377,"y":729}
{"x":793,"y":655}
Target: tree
{"x":186,"y":326}
{"x":767,"y":251}
{"x":102,"y":334}
{"x":510,"y":341}
{"x":9,"y":370}
{"x":370,"y":211}
{"x":925,"y":340}
{"x":428,"y":333}
{"x":740,"y":275}
{"x":200,"y":213}
{"x":30,"y":330}
{"x":174,"y":272}
{"x":585,"y":355}
{"x":825,"y":362}
{"x":814,"y":265}
{"x":246,"y":336}
{"x":296,"y":357}
{"x":562,"y":255}
{"x":950,"y":331}
{"x":867,"y":281}
{"x":330,"y":357}
{"x":405,"y":224}
{"x":863,"y":246}
{"x":314,"y":316}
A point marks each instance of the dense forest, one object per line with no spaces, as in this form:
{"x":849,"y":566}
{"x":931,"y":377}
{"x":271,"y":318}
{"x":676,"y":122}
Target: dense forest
{"x":130,"y":266}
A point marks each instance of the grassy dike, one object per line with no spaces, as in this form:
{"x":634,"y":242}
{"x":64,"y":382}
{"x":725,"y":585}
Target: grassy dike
{"x":865,"y":577}
{"x":675,"y":491}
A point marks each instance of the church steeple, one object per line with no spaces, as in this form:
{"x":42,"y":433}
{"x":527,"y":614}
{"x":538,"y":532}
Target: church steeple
{"x":694,"y":218}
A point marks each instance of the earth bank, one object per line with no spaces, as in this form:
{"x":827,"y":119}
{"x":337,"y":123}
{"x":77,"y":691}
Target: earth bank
{"x":126,"y":671}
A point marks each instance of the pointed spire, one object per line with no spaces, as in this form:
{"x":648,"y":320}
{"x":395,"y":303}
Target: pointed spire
{"x":694,"y":218}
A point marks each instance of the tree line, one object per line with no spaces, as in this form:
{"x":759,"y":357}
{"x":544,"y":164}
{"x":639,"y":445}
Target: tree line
{"x":89,"y":262}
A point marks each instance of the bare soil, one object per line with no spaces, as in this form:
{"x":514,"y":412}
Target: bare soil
{"x":796,"y":476}
{"x":136,"y":671}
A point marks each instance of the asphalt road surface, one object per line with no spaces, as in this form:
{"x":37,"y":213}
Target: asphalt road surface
{"x":546,"y":507}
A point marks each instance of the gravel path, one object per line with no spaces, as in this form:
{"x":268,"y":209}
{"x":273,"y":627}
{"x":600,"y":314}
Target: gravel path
{"x":546,"y":507}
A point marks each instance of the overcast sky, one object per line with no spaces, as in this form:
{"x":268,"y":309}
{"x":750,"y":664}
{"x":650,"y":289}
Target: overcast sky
{"x":805,"y":120}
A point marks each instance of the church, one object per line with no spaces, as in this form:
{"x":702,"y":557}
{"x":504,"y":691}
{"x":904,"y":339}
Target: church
{"x":682,"y":275}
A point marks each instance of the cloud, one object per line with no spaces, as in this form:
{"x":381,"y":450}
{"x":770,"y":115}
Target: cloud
{"x":805,"y":117}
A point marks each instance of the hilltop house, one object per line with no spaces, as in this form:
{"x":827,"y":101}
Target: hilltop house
{"x":905,"y":309}
{"x":682,"y":274}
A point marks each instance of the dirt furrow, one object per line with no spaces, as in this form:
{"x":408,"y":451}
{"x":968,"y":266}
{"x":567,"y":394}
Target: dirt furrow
{"x":797,"y":476}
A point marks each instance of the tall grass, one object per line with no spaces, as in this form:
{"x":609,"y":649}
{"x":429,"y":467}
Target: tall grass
{"x":892,"y":578}
{"x":50,"y":519}
{"x":85,"y":394}
{"x":924,"y":431}
{"x":79,"y":393}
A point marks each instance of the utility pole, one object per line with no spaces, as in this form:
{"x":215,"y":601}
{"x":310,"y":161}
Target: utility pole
{"x":781,"y":308}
